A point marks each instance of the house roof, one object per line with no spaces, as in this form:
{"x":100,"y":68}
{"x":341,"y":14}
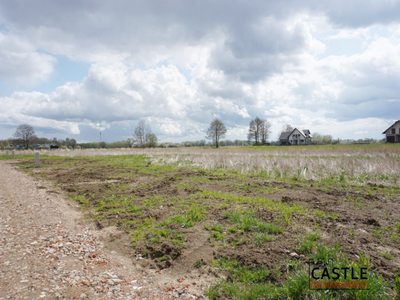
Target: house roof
{"x":307,"y":132}
{"x":391,"y":126}
{"x":285,"y":135}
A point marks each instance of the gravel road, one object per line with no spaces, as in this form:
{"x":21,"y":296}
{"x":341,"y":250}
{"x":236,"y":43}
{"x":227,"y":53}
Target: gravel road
{"x":46,"y":254}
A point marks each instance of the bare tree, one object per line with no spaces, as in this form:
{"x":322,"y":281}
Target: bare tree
{"x":287,"y":127}
{"x":25,"y":134}
{"x":265,"y":131}
{"x":259,"y":130}
{"x":131,"y":142}
{"x":216,"y":131}
{"x":141,"y":130}
{"x":142,"y":133}
{"x":253,"y":134}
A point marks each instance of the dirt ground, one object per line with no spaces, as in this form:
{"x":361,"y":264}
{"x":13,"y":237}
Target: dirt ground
{"x":49,"y":250}
{"x":134,"y":208}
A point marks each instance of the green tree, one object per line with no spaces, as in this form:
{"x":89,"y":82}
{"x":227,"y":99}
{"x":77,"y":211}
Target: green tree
{"x":72,"y":143}
{"x":327,"y":139}
{"x":316,"y":138}
{"x":151,"y":140}
{"x":216,"y":131}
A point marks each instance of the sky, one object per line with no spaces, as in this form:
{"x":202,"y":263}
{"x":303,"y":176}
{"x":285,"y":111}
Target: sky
{"x":77,"y":68}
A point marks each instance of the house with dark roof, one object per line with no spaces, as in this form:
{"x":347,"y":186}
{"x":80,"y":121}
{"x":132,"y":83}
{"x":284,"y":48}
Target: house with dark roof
{"x":296,"y":137}
{"x":393,"y":133}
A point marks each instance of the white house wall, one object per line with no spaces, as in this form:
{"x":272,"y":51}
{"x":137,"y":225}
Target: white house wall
{"x":301,"y":140}
{"x":396,"y":127}
{"x":397,"y":132}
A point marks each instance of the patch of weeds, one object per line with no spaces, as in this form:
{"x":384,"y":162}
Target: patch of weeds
{"x":185,"y":185}
{"x":397,"y":286}
{"x":144,"y":185}
{"x":377,"y":232}
{"x":232,"y":229}
{"x":133,"y":208}
{"x":215,"y":227}
{"x":28,"y":166}
{"x":297,"y":285}
{"x":387,"y":255}
{"x":284,"y":210}
{"x":247,"y":283}
{"x":212,"y":292}
{"x":139,"y":232}
{"x":224,"y":205}
{"x":246,"y":221}
{"x":216,"y":235}
{"x":199,"y":263}
{"x":81,"y":199}
{"x":178,"y":238}
{"x":241,"y":273}
{"x":195,"y":213}
{"x":261,"y":238}
{"x":152,"y":201}
{"x":234,"y":242}
{"x":320,"y":214}
{"x":398,"y":227}
{"x":324,"y":255}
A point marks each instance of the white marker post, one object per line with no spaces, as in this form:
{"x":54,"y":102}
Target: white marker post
{"x":6,"y":152}
{"x":37,"y":162}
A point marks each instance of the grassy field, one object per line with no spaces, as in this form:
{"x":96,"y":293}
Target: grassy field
{"x":250,"y":217}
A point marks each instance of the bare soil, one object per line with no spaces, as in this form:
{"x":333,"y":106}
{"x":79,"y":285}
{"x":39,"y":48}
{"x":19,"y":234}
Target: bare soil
{"x":361,"y":218}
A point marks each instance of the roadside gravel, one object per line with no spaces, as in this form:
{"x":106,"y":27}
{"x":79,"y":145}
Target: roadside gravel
{"x":46,"y":254}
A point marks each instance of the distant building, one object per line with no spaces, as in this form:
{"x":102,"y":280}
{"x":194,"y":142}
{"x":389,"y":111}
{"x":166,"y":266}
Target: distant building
{"x":296,"y":137}
{"x":393,"y":133}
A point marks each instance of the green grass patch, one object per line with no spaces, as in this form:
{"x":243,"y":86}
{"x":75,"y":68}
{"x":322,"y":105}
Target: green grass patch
{"x":261,"y":238}
{"x":195,"y":213}
{"x":246,"y":221}
{"x":306,"y":243}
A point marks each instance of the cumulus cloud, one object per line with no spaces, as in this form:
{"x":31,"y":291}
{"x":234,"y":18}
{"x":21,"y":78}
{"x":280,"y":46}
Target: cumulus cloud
{"x":180,"y":64}
{"x":20,"y":61}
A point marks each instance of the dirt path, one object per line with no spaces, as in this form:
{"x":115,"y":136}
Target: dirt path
{"x":46,"y":254}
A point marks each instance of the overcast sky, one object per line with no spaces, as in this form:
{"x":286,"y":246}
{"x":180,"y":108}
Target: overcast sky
{"x":75,"y":68}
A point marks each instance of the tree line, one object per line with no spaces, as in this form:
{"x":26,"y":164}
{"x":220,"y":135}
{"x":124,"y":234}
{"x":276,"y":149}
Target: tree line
{"x":259,"y":133}
{"x":26,"y":138}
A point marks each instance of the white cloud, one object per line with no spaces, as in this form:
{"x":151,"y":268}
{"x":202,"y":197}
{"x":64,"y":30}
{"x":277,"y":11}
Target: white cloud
{"x":179,"y":65}
{"x":20,"y":61}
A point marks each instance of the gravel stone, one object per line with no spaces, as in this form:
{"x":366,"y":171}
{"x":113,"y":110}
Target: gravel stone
{"x":46,"y":254}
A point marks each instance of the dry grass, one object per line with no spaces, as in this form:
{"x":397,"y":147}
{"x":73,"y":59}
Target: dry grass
{"x":345,"y":163}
